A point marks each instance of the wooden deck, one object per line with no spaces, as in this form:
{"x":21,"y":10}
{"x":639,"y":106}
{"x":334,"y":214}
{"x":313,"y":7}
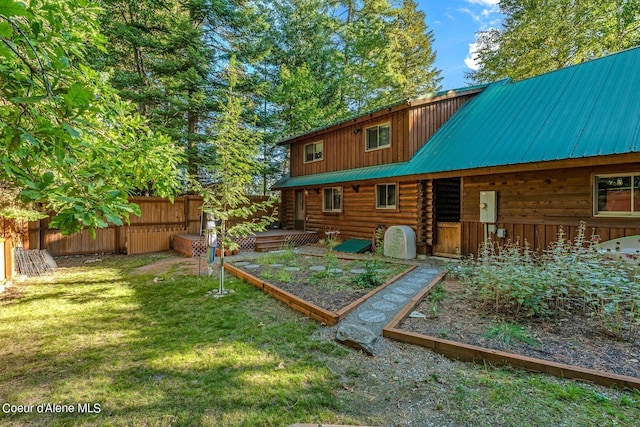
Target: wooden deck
{"x":193,"y":245}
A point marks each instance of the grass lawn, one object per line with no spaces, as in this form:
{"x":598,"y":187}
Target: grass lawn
{"x":145,"y":353}
{"x":156,"y":354}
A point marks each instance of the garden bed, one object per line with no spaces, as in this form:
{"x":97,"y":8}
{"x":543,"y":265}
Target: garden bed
{"x":563,"y":341}
{"x":325,"y":288}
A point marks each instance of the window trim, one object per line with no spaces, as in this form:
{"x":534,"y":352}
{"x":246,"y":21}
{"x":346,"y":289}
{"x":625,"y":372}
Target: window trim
{"x":378,"y":147}
{"x":340,"y":190}
{"x":304,"y":152}
{"x":386,"y":207}
{"x":614,"y":214}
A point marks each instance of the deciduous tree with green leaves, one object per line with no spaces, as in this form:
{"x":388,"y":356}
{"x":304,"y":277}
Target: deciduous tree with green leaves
{"x":69,"y":143}
{"x":537,"y":37}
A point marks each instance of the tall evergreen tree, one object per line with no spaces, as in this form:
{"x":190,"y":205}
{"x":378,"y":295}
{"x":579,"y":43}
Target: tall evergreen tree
{"x":167,"y":55}
{"x":235,"y":143}
{"x":537,"y":37}
{"x":412,"y":53}
{"x":332,"y":59}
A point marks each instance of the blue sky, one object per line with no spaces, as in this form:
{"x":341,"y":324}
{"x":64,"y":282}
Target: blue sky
{"x":454,"y":23}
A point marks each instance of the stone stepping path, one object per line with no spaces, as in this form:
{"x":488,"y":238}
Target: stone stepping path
{"x":395,"y":298}
{"x":384,"y":306}
{"x":241,"y":263}
{"x":368,"y":319}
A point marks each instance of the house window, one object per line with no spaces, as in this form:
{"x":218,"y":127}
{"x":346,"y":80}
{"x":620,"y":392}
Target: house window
{"x":617,"y":194}
{"x":332,"y":199}
{"x":313,"y":152}
{"x":386,"y":196}
{"x":378,"y":137}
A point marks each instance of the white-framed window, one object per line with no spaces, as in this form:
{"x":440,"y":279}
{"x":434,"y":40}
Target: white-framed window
{"x":332,"y":199}
{"x":313,"y":152}
{"x":617,"y":195}
{"x":378,"y":136}
{"x":386,"y":196}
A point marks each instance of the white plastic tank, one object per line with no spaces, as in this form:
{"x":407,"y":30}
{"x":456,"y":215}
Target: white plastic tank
{"x":400,"y":242}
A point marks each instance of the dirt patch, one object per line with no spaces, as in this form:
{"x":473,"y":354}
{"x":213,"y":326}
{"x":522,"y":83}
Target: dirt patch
{"x":332,"y":286}
{"x":575,"y":340}
{"x":178,"y":265}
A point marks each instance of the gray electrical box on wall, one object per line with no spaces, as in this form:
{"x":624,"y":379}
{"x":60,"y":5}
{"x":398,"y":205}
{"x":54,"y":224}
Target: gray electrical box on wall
{"x":488,"y":207}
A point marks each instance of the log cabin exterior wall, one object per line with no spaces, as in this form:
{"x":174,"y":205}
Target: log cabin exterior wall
{"x":534,"y":205}
{"x":359,"y":217}
{"x":287,"y":209}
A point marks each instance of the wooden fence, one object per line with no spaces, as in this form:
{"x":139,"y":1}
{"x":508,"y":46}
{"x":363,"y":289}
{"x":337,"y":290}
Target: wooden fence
{"x":152,"y":231}
{"x":6,"y":259}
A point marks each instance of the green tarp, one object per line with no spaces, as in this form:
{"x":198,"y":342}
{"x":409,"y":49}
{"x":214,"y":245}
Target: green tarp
{"x":354,"y":246}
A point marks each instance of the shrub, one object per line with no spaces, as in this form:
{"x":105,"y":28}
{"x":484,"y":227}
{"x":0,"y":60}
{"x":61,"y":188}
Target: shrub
{"x":369,"y":278}
{"x":570,"y":276}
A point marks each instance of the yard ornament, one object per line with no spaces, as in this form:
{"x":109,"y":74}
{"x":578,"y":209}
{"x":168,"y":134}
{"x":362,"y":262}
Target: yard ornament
{"x":212,"y":242}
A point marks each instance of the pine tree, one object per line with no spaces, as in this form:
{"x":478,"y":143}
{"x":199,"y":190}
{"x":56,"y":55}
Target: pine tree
{"x":539,"y":37}
{"x":166,"y":55}
{"x":411,"y":50}
{"x":236,"y":146}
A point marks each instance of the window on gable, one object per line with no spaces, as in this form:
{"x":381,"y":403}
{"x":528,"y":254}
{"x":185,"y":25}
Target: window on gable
{"x":378,"y":136}
{"x":617,"y":195}
{"x":386,"y":196}
{"x":313,"y":152}
{"x":332,"y":199}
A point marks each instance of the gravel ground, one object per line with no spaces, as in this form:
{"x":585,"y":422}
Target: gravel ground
{"x":401,"y":386}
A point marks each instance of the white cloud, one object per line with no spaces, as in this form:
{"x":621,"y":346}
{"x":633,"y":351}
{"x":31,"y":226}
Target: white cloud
{"x":471,"y":60}
{"x":483,"y":12}
{"x":493,"y":3}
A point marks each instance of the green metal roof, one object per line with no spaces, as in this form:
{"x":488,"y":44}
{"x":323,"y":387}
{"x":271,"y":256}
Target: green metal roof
{"x":349,"y":175}
{"x":589,"y":109}
{"x":585,"y":110}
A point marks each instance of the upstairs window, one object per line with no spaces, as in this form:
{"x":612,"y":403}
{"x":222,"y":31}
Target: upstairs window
{"x":378,"y":136}
{"x":617,"y":195}
{"x":313,"y":152}
{"x":332,"y":199}
{"x":386,"y":196}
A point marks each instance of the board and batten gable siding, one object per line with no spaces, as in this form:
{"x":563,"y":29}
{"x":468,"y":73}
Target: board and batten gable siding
{"x":425,"y":119}
{"x":344,"y":148}
{"x":359,"y":217}
{"x":533,"y":205}
{"x":344,"y":145}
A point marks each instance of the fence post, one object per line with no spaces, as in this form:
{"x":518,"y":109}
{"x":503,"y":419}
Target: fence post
{"x":186,"y":213}
{"x":116,"y":240}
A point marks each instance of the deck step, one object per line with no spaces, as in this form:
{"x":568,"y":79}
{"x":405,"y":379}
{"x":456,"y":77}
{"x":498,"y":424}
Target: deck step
{"x":266,"y":244}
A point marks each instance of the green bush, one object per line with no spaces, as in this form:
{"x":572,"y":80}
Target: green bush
{"x":570,"y":276}
{"x":369,"y":278}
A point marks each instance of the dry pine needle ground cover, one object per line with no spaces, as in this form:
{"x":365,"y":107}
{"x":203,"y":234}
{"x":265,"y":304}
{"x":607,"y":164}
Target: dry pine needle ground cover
{"x":575,"y":340}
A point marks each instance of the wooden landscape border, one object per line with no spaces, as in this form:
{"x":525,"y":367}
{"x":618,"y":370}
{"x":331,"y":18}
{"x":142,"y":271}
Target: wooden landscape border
{"x":311,"y":310}
{"x":471,"y":353}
